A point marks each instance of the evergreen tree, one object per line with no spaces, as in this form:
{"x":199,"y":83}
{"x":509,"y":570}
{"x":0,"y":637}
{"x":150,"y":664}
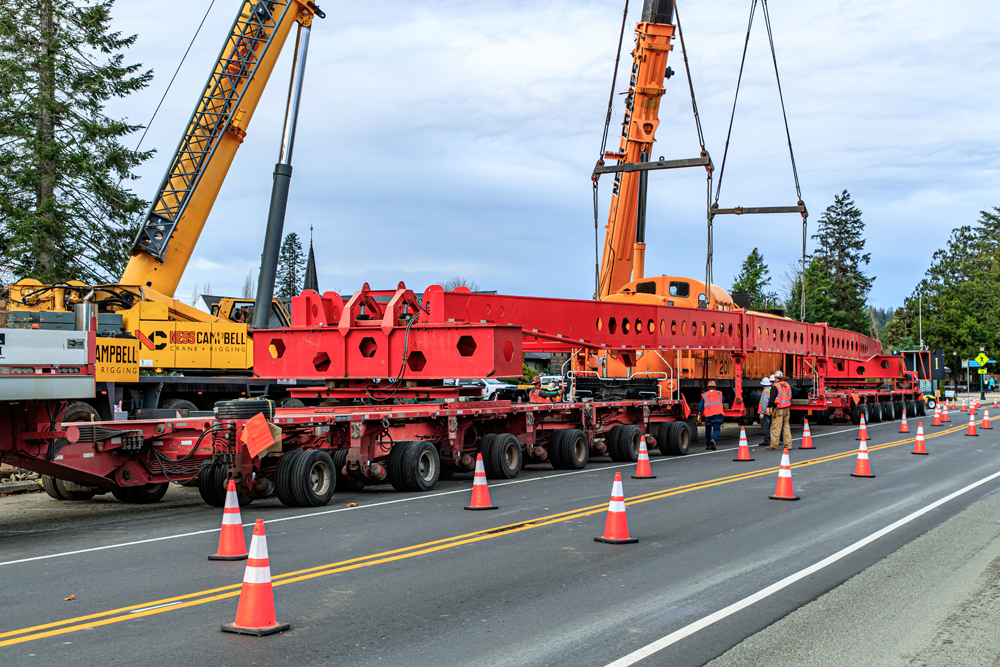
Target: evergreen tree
{"x":291,"y":267}
{"x":754,"y":278}
{"x":63,"y":212}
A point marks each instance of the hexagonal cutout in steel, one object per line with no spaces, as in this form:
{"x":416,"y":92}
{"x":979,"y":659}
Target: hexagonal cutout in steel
{"x":508,"y":351}
{"x":321,"y":362}
{"x":416,"y":361}
{"x":368,"y":347}
{"x":276,"y":348}
{"x":466,"y":346}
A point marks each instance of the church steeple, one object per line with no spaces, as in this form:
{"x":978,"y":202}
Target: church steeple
{"x":311,"y":281}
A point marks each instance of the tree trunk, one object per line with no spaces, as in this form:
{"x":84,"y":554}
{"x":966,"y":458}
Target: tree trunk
{"x":45,"y":193}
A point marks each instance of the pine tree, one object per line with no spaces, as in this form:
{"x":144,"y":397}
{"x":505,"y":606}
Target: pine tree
{"x":63,"y":212}
{"x":754,"y":278}
{"x":291,"y":267}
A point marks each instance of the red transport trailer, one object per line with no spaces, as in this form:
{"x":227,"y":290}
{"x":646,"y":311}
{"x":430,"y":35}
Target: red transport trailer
{"x":385,"y":413}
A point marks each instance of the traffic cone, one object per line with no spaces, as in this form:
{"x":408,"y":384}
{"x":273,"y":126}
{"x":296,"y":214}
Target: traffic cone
{"x":807,"y":439}
{"x":616,"y":525}
{"x":862,"y":429}
{"x":918,"y":446}
{"x":937,"y":416}
{"x":232,"y":541}
{"x":784,"y":489}
{"x":972,"y":407}
{"x":986,"y":420}
{"x":945,"y":417}
{"x":480,"y":490}
{"x":903,"y":426}
{"x":642,"y":468}
{"x":972,"y":426}
{"x":743,"y":453}
{"x":862,"y":467}
{"x":256,"y":614}
{"x":964,"y":408}
{"x":995,"y":406}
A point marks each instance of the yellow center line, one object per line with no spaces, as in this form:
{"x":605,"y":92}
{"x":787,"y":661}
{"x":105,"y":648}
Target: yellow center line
{"x":211,"y":595}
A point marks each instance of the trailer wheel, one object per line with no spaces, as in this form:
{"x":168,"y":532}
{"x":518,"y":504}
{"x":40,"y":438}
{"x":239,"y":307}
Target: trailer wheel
{"x":72,"y":491}
{"x":394,"y":465}
{"x":678,"y":438}
{"x":611,"y":441}
{"x":179,"y":404}
{"x":897,"y":409}
{"x":140,"y":495}
{"x":574,"y":450}
{"x":856,"y":414}
{"x":422,"y":465}
{"x":555,"y":446}
{"x":628,"y":444}
{"x":244,"y":409}
{"x":312,"y":478}
{"x":911,"y":409}
{"x":283,"y":478}
{"x":209,"y":489}
{"x":663,"y":438}
{"x":505,"y":457}
{"x":486,"y":449}
{"x":345,"y":483}
{"x":886,"y":411}
{"x":49,"y":484}
{"x":921,"y":408}
{"x":874,"y":413}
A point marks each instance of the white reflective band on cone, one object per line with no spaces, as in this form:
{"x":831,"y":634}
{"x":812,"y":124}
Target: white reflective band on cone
{"x":258,"y":548}
{"x":231,"y":518}
{"x":257,"y":575}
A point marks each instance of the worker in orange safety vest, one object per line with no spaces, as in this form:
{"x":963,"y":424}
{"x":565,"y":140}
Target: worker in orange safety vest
{"x":781,"y":411}
{"x":710,"y":408}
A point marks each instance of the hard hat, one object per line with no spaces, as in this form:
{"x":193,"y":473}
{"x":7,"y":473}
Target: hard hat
{"x":711,"y":383}
{"x":766,"y":382}
{"x":779,"y":374}
{"x":537,"y":380}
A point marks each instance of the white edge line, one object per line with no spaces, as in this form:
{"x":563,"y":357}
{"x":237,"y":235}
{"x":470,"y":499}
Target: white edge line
{"x":381,"y":504}
{"x":702,"y":623}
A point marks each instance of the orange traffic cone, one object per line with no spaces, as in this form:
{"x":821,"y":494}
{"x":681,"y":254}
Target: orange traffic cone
{"x":986,"y":420}
{"x":256,"y":614}
{"x":862,"y":467}
{"x":616,"y":525}
{"x":972,"y":426}
{"x":807,"y":438}
{"x":973,"y":407}
{"x":964,"y":408}
{"x":232,"y":541}
{"x":995,"y":406}
{"x":862,"y":429}
{"x":945,"y":417}
{"x":480,"y":490}
{"x":918,"y":446}
{"x":784,"y":489}
{"x":937,"y":415}
{"x":904,"y":427}
{"x":743,"y":452}
{"x":642,"y":468}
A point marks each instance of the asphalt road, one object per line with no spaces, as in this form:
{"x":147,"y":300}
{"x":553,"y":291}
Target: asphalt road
{"x":412,"y":579}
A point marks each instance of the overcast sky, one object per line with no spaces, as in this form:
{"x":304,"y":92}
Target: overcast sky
{"x":458,"y":137}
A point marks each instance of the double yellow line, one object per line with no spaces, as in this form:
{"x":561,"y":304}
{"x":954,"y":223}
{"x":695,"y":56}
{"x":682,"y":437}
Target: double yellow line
{"x":121,"y":614}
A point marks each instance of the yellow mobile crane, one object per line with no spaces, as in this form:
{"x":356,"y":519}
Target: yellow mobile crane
{"x":140,"y":324}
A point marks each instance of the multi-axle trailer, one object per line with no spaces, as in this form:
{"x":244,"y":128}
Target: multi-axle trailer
{"x":383,"y":413}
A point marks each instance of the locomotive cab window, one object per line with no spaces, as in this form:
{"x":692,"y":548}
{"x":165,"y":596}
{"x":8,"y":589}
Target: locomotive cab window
{"x":680,"y":289}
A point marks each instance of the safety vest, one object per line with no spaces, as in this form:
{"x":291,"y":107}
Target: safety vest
{"x":713,"y":403}
{"x":784,"y":399}
{"x":762,"y":404}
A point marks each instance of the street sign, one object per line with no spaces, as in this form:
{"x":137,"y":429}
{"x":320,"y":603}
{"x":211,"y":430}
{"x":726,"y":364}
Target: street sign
{"x":982,"y":371}
{"x":982,"y":359}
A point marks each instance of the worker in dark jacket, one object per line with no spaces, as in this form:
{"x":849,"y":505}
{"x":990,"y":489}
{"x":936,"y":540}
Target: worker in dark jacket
{"x":710,"y":408}
{"x":781,"y":409}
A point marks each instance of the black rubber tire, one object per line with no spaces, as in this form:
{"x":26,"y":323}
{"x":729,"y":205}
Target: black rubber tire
{"x":921,"y":408}
{"x":291,"y":403}
{"x":555,"y":447}
{"x":313,"y":480}
{"x":679,"y":438}
{"x":506,"y":456}
{"x":244,"y":409}
{"x":887,"y":412}
{"x":70,"y":493}
{"x":178,"y":404}
{"x":874,"y":413}
{"x":628,"y":443}
{"x":49,"y":484}
{"x":78,"y":411}
{"x":855,"y":414}
{"x":140,"y":495}
{"x":611,"y":441}
{"x":394,"y":465}
{"x":931,"y":404}
{"x":663,"y":438}
{"x":911,"y":409}
{"x":345,"y":483}
{"x":897,"y":409}
{"x":422,"y":465}
{"x":486,"y":450}
{"x":283,"y":480}
{"x":574,"y":449}
{"x":209,"y":490}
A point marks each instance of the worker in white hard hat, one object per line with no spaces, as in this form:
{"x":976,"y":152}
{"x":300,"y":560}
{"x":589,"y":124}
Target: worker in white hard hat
{"x":780,"y":402}
{"x":764,"y":411}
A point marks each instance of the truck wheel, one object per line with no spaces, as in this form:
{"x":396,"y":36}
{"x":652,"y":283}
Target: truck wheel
{"x":628,"y":443}
{"x":78,"y":411}
{"x":345,"y":483}
{"x":422,"y":465}
{"x":49,"y":484}
{"x":486,"y":449}
{"x":663,"y":438}
{"x":209,"y":490}
{"x":921,"y":408}
{"x":611,"y":441}
{"x":574,"y":449}
{"x":283,"y":479}
{"x":244,"y":409}
{"x":313,"y":480}
{"x":554,"y":447}
{"x":911,"y":409}
{"x":679,"y":438}
{"x":897,"y":409}
{"x":178,"y":404}
{"x":506,"y":458}
{"x":855,"y":414}
{"x":72,"y":491}
{"x":394,"y":465}
{"x":874,"y":413}
{"x":140,"y":495}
